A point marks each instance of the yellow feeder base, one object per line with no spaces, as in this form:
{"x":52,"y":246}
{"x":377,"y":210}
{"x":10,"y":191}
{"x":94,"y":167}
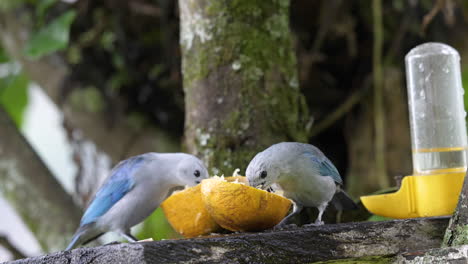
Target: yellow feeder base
{"x":419,"y":196}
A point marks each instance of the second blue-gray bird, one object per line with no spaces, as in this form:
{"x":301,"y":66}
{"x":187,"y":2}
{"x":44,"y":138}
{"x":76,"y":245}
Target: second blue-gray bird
{"x":305,"y":175}
{"x":133,"y":190}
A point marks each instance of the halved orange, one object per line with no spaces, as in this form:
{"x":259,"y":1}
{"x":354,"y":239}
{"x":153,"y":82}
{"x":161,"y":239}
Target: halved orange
{"x":238,"y":207}
{"x":187,"y":214}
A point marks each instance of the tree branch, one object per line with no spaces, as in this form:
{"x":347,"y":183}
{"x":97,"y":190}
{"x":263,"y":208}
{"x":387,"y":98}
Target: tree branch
{"x":6,"y":243}
{"x":437,"y":255}
{"x":32,"y":190}
{"x":295,"y":245}
{"x":379,"y":116}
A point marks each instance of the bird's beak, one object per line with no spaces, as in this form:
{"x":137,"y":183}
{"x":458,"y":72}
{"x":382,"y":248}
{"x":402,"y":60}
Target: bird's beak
{"x":261,"y":185}
{"x":257,"y":185}
{"x":253,"y":184}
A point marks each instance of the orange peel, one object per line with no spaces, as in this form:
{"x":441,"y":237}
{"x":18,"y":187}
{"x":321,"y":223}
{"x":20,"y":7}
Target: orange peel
{"x":187,"y":214}
{"x":238,"y":207}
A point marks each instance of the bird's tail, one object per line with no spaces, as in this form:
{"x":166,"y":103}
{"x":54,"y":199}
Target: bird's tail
{"x":342,"y":201}
{"x":77,"y":239}
{"x":84,"y":235}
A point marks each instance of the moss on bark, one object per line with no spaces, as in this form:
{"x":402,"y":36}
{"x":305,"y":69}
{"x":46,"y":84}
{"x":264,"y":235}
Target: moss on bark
{"x":240,"y":80}
{"x":457,"y":231}
{"x":362,"y":260}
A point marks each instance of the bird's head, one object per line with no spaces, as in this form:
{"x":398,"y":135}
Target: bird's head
{"x":262,"y":171}
{"x":191,"y":171}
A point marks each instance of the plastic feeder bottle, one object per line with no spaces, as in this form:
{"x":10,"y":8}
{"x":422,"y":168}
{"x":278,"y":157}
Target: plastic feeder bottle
{"x":438,"y":137}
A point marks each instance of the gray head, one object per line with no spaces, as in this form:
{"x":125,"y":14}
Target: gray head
{"x":190,"y":170}
{"x":267,"y":166}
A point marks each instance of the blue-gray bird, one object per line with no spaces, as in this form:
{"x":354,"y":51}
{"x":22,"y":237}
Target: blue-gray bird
{"x":133,"y":190}
{"x":305,"y":175}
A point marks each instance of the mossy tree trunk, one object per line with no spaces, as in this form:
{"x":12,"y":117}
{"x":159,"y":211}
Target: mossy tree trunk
{"x":240,"y":80}
{"x":457,"y":231}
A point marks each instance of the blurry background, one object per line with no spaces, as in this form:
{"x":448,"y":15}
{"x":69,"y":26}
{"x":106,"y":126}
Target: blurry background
{"x":89,"y":83}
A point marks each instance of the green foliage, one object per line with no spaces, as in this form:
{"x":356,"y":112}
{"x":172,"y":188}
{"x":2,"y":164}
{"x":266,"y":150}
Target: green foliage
{"x":3,"y":56}
{"x":42,"y":7}
{"x":52,"y":37}
{"x":14,"y":96}
{"x":157,"y":227}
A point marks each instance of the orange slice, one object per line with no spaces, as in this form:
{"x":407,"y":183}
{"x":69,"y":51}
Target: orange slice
{"x":238,"y":207}
{"x":187,"y":214}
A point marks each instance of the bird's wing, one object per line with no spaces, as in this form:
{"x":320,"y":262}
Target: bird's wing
{"x":119,"y":183}
{"x":328,"y":169}
{"x":325,"y":167}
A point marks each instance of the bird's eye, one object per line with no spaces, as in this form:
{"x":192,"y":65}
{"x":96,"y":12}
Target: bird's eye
{"x":263,"y":174}
{"x":197,"y":173}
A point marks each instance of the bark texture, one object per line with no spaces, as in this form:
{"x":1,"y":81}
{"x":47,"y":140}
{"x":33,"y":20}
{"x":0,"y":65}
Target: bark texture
{"x":32,"y":190}
{"x":457,"y":231}
{"x":452,"y":255}
{"x":293,"y":245}
{"x":237,"y":55}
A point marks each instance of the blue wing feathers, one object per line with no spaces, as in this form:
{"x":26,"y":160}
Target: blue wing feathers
{"x":325,"y":167}
{"x":328,"y":169}
{"x":119,"y":183}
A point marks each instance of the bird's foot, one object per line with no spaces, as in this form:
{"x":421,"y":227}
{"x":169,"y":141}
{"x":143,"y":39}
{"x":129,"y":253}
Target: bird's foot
{"x":127,"y":236}
{"x":146,"y":240}
{"x":317,"y":223}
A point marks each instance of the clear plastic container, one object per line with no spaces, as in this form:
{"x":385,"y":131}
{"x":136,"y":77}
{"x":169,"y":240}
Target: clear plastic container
{"x":437,"y":113}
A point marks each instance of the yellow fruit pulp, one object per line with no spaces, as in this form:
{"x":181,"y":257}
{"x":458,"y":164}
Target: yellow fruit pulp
{"x":187,"y":213}
{"x":238,"y":207}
